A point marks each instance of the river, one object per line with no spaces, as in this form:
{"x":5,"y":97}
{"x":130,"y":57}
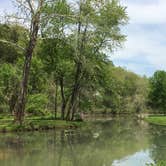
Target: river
{"x":120,"y":141}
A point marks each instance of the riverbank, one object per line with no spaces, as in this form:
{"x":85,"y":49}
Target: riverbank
{"x":7,"y":125}
{"x":157,"y":120}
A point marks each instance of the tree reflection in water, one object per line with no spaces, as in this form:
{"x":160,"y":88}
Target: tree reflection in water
{"x":102,"y":143}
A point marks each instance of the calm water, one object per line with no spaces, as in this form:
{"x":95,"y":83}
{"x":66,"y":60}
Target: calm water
{"x":117,"y":142}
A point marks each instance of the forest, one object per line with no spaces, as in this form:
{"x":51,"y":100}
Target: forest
{"x":55,"y":61}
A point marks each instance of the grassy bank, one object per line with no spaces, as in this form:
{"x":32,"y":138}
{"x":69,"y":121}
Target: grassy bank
{"x":32,"y":124}
{"x":157,"y":120}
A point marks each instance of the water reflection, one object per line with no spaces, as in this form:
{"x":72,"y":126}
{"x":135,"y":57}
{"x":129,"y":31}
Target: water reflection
{"x":158,"y":141}
{"x":121,"y":141}
{"x":137,"y":159}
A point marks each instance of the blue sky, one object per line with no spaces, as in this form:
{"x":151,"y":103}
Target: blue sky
{"x":145,"y":48}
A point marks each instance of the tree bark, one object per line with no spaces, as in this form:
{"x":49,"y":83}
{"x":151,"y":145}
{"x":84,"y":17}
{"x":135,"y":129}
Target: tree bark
{"x":20,"y":105}
{"x":74,"y":95}
{"x":64,"y":102}
{"x":56,"y":100}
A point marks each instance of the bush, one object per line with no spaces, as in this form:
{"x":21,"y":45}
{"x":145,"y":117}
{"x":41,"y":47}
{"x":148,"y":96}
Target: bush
{"x":36,"y":104}
{"x":9,"y":80}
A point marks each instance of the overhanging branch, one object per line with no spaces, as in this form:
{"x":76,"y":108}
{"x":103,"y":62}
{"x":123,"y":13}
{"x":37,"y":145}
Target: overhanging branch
{"x":13,"y":44}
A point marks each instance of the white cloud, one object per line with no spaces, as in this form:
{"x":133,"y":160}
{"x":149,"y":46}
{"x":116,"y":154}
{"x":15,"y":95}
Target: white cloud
{"x":146,"y":37}
{"x":144,"y":42}
{"x":144,"y":11}
{"x":150,"y":13}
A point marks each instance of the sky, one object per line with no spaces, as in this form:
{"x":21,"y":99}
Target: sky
{"x":144,"y":51}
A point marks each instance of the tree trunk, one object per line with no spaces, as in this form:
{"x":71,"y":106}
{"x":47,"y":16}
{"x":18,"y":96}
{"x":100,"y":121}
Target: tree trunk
{"x":13,"y":99}
{"x":63,"y":107}
{"x":74,"y":95}
{"x":20,"y":105}
{"x":79,"y":51}
{"x":63,"y":110}
{"x":56,"y":100}
{"x":74,"y":110}
{"x":76,"y":107}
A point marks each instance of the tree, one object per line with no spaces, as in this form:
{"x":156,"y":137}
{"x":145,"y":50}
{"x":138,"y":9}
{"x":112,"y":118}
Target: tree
{"x":96,"y":28}
{"x":89,"y":27}
{"x":56,"y":54}
{"x":123,"y":91}
{"x":8,"y":87}
{"x":157,"y":95}
{"x":56,"y":50}
{"x":34,"y":10}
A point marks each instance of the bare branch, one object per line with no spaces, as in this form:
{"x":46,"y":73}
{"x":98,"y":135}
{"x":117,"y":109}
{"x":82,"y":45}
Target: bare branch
{"x":22,"y":4}
{"x":30,"y":6}
{"x":40,"y":5}
{"x":14,"y":16}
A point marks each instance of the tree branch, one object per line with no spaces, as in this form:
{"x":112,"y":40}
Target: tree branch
{"x":30,"y":6}
{"x":13,"y":44}
{"x":21,"y":3}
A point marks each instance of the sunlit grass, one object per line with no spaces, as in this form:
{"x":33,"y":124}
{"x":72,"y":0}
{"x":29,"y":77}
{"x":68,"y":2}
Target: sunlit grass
{"x":36,"y":123}
{"x":158,"y":120}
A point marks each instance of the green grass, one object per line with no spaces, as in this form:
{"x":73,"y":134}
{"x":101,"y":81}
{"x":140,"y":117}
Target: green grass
{"x":157,"y":120}
{"x":32,"y":124}
{"x":158,"y":163}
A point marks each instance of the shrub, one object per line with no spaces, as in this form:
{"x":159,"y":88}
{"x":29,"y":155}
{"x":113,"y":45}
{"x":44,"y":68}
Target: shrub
{"x":37,"y":104}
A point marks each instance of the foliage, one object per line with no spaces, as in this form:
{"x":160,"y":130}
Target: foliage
{"x":158,"y":163}
{"x":16,"y":38}
{"x":37,"y":104}
{"x":70,"y":71}
{"x":157,"y":95}
{"x":124,"y":91}
{"x":8,"y":85}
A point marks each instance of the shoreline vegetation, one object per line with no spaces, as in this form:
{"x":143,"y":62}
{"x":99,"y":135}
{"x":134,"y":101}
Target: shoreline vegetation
{"x":37,"y":124}
{"x":156,"y":120}
{"x":42,"y":123}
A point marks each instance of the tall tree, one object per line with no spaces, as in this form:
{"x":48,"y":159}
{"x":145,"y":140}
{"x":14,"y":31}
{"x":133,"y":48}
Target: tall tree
{"x":58,"y":63}
{"x":157,"y":95}
{"x":96,"y":27}
{"x":90,"y":27}
{"x":33,"y":10}
{"x":56,"y":45}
